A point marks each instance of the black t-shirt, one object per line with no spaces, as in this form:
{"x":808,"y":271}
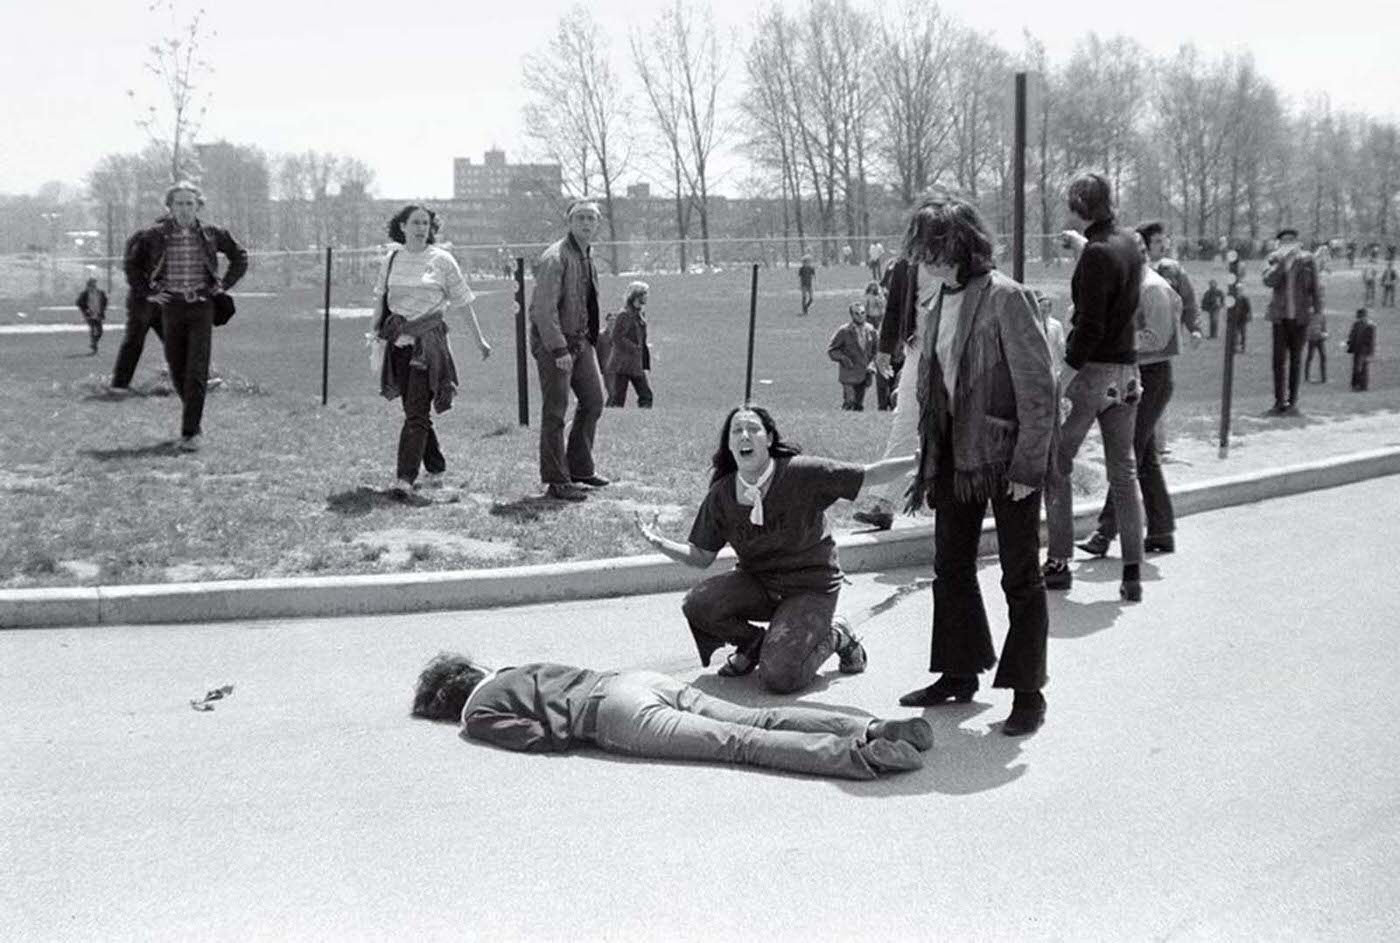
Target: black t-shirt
{"x":795,"y":536}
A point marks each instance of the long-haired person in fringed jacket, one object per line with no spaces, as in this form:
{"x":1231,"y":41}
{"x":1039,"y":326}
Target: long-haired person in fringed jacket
{"x":987,"y":418}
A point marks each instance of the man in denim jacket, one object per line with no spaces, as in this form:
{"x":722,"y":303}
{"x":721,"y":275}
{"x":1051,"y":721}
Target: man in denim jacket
{"x":563,"y":336}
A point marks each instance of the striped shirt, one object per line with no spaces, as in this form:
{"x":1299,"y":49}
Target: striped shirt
{"x":423,"y":282}
{"x":185,"y":268}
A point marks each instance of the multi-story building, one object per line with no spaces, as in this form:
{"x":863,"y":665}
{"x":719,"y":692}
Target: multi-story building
{"x":493,"y":178}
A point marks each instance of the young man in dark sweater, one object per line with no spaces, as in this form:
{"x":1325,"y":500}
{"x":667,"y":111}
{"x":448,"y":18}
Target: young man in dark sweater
{"x":1101,"y":382}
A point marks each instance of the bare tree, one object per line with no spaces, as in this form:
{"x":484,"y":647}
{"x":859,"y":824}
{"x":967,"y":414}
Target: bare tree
{"x":773,"y":133}
{"x":178,"y":67}
{"x":912,"y":106}
{"x":577,"y":112}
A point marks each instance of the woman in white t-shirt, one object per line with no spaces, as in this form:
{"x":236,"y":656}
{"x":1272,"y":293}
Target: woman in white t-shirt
{"x":417,"y":285}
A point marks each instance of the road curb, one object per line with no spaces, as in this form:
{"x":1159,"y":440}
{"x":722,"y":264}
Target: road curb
{"x":299,"y":597}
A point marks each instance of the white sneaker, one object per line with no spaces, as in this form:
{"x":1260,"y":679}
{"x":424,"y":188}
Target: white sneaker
{"x":433,"y":480}
{"x":120,"y":392}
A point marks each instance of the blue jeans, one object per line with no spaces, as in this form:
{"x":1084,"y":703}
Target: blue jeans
{"x":1106,"y":393}
{"x":644,"y":713}
{"x":1156,"y":501}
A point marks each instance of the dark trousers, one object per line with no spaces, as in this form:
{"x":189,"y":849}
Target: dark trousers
{"x":800,"y":637}
{"x":1360,"y":372}
{"x":806,"y":292}
{"x":1156,"y":502}
{"x":962,"y":639}
{"x":189,"y":332}
{"x":1214,"y":317}
{"x":1289,"y":338}
{"x":619,"y":390}
{"x":853,"y":394}
{"x":1388,"y":296}
{"x":142,"y":318}
{"x":418,"y":441}
{"x":1316,"y":346}
{"x":560,"y":464}
{"x":1240,"y":330}
{"x":94,"y":326}
{"x":884,"y":390}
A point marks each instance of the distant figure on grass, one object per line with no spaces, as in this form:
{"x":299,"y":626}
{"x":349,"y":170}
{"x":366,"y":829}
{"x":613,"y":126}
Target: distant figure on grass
{"x":564,"y":327}
{"x":874,"y":316}
{"x":1370,"y":276}
{"x":1388,"y":280}
{"x":853,"y":349}
{"x":987,"y":409}
{"x":1296,"y":300}
{"x":1239,"y":313}
{"x":1101,"y":380}
{"x":1317,"y":344}
{"x":1158,"y":341}
{"x":1361,"y":344}
{"x":604,"y":350}
{"x":543,"y":707}
{"x":417,"y":285}
{"x":172,"y":269}
{"x":806,"y":272}
{"x":769,"y":503}
{"x":631,"y":354}
{"x":93,"y":305}
{"x":873,"y":255}
{"x":1212,"y":302}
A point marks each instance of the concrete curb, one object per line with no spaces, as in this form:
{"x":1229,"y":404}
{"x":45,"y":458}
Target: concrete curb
{"x":297,"y":597}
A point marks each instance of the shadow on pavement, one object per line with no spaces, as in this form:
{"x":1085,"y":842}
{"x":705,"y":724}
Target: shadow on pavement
{"x":167,"y":449}
{"x":1107,"y":570}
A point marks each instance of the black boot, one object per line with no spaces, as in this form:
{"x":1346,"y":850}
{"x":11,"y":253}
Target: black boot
{"x":1027,"y":714}
{"x":949,"y":687}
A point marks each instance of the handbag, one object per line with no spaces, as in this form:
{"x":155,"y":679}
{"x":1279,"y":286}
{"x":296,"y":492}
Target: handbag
{"x":224,"y":308}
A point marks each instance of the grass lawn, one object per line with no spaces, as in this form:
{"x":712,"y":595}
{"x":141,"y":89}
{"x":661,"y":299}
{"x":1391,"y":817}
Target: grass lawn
{"x":92,"y":490}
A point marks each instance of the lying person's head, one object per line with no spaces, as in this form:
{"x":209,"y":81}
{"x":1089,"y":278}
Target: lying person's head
{"x":444,"y":686}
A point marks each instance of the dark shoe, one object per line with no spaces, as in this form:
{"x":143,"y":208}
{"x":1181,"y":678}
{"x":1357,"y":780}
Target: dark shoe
{"x":1096,"y":545}
{"x":958,"y":688}
{"x":592,"y":481}
{"x":190,"y":443}
{"x":875,"y":517}
{"x":849,"y":648}
{"x":1027,"y":714}
{"x":891,"y":756}
{"x":1278,"y":409}
{"x":1057,"y":575}
{"x":565,"y":492}
{"x":913,"y":730}
{"x":1130,"y":590}
{"x":743,"y":660}
{"x":1291,"y":410}
{"x":1163,"y":544}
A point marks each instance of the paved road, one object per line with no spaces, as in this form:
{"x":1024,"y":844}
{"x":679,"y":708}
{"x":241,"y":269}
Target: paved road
{"x":1219,"y":764}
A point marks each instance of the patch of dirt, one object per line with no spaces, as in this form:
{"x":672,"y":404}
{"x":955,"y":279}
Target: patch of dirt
{"x":81,"y":570}
{"x":402,"y":544}
{"x":198,"y":572}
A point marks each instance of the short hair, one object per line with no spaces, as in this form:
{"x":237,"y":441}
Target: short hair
{"x":722,"y":462}
{"x":179,"y":185}
{"x":1361,"y":312}
{"x":873,"y":288}
{"x":1090,"y":196}
{"x":634,"y":291}
{"x":1153,"y":227}
{"x":950,"y":231}
{"x":396,"y":223}
{"x":857,"y":307}
{"x":444,"y":686}
{"x":579,"y":204}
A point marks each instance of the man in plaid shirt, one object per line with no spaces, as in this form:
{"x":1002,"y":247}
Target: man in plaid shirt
{"x":172,"y":270}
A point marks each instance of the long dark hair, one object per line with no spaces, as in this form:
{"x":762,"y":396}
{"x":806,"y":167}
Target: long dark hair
{"x":444,"y":686}
{"x":950,"y":231}
{"x":723,"y":460}
{"x":401,"y":217}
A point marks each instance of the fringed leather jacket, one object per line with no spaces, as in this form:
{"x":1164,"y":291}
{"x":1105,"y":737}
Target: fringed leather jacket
{"x":1005,"y":409}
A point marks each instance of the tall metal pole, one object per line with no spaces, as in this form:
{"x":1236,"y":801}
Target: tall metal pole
{"x":1227,"y":388}
{"x":753,"y":319}
{"x":1018,"y":218}
{"x":522,"y":372}
{"x":326,"y":336}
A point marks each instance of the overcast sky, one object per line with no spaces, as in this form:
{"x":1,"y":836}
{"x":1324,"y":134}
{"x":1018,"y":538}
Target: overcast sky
{"x":407,"y":87}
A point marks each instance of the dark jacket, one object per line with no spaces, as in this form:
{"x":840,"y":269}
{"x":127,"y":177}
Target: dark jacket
{"x":1293,"y":270}
{"x":92,"y":310}
{"x":1361,"y":342}
{"x":630,"y":354}
{"x":1104,"y":289}
{"x":1005,"y":409}
{"x":853,"y":349}
{"x":564,"y":304}
{"x":533,"y":708}
{"x":901,"y":300}
{"x":144,"y":263}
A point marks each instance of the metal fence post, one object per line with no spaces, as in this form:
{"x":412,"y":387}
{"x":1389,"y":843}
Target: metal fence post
{"x":326,"y":336}
{"x":522,"y":372}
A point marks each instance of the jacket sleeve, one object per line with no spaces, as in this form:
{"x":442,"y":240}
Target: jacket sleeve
{"x":1096,"y":273}
{"x":1156,"y":319}
{"x":1273,"y":272}
{"x":1190,"y":313}
{"x":522,"y":734}
{"x":627,"y":337}
{"x":836,"y":348}
{"x":237,"y":258}
{"x":134,"y":265}
{"x":1316,"y":291}
{"x":544,"y":303}
{"x":1033,"y":384}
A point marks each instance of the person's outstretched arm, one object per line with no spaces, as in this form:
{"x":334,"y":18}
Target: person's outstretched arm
{"x":891,"y":469}
{"x":686,"y":553}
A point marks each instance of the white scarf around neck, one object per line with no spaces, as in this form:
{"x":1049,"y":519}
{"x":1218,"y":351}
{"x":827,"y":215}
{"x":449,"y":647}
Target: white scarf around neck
{"x":754,"y":492}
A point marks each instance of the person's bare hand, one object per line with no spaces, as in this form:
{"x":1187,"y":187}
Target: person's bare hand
{"x":648,"y":531}
{"x":1195,"y":339}
{"x":884,"y":366}
{"x":564,"y":362}
{"x":159,"y":298}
